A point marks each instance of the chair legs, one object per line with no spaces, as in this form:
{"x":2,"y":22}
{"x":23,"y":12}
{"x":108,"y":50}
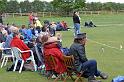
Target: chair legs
{"x":3,"y":62}
{"x":16,"y":62}
{"x":65,"y":79}
{"x":79,"y":77}
{"x":69,"y":75}
{"x":34,"y":64}
{"x":60,"y":75}
{"x":6,"y":61}
{"x":22,"y":64}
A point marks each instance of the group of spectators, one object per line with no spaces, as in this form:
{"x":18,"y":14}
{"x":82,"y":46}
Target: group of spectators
{"x":57,"y":26}
{"x":46,"y":42}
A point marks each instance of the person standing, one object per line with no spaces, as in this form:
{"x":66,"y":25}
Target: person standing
{"x":76,"y":21}
{"x":1,"y":20}
{"x":31,"y":17}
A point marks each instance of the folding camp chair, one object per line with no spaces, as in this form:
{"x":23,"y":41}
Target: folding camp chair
{"x":69,"y":63}
{"x":17,"y":54}
{"x":49,"y":60}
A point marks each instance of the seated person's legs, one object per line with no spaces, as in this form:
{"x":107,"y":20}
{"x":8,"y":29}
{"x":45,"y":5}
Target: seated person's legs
{"x":90,"y":66}
{"x":90,"y":24}
{"x":91,"y":70}
{"x":86,"y":24}
{"x":48,"y":73}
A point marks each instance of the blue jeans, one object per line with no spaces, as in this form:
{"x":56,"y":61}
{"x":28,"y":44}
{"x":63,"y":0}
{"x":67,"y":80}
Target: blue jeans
{"x":90,"y":68}
{"x":76,"y":28}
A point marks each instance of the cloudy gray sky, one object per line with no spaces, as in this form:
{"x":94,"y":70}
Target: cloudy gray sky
{"x":117,"y":1}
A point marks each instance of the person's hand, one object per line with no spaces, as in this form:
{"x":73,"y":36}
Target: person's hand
{"x":0,"y":49}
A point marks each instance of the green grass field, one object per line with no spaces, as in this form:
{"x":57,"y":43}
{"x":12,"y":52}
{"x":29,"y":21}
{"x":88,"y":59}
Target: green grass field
{"x":108,"y":35}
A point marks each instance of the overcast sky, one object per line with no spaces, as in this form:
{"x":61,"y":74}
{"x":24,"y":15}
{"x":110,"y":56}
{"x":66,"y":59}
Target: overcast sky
{"x":117,"y":1}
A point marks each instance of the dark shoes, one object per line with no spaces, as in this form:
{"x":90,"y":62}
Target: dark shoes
{"x":103,"y":75}
{"x":92,"y":79}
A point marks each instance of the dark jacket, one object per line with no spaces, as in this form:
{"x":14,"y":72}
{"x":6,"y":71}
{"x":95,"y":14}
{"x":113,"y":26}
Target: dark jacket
{"x":78,"y":51}
{"x":1,"y":21}
{"x":76,"y":19}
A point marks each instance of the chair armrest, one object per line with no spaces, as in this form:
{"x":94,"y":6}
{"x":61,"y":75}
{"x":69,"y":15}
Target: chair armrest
{"x":5,"y":48}
{"x":26,"y":51}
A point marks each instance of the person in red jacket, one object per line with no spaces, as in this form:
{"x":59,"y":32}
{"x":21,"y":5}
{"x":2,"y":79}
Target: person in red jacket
{"x":31,"y":18}
{"x":51,"y":48}
{"x":17,"y":42}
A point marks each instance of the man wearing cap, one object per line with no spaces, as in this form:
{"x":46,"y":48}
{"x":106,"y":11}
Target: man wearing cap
{"x":89,"y":67}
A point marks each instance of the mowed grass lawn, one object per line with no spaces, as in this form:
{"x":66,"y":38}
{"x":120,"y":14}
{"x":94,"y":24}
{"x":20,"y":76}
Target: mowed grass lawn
{"x":103,"y":45}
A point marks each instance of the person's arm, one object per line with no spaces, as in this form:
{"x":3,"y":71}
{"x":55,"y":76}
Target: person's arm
{"x":76,"y":19}
{"x":24,"y":46}
{"x":7,"y":42}
{"x":81,"y":53}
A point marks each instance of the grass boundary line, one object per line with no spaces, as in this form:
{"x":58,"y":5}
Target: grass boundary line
{"x":105,"y":44}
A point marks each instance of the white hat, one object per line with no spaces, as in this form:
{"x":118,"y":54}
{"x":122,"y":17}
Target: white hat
{"x":4,"y":32}
{"x":13,"y":29}
{"x":52,"y":39}
{"x":36,"y":18}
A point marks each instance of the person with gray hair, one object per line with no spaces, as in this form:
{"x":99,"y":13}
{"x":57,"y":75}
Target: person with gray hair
{"x":9,"y":37}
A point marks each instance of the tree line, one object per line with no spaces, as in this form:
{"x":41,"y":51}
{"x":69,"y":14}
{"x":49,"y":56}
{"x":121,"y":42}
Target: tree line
{"x":61,"y":6}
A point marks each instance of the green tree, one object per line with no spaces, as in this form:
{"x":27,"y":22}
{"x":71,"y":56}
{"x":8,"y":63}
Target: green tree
{"x":3,"y":4}
{"x":12,"y":6}
{"x":25,"y":6}
{"x":37,"y":5}
{"x":47,"y":6}
{"x":79,"y":4}
{"x":122,"y":6}
{"x":68,"y":5}
{"x":94,"y":6}
{"x":108,"y":6}
{"x":115,"y":6}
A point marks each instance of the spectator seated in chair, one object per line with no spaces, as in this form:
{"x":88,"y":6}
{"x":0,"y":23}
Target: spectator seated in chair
{"x":50,"y":47}
{"x":89,"y":67}
{"x":17,"y":42}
